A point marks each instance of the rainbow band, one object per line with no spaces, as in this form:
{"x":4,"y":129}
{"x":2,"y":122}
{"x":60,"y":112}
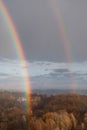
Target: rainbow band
{"x":65,"y":40}
{"x":18,"y":45}
{"x":61,"y":28}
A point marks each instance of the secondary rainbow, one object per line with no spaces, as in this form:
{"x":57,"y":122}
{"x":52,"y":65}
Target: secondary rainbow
{"x":65,"y":39}
{"x":17,"y":43}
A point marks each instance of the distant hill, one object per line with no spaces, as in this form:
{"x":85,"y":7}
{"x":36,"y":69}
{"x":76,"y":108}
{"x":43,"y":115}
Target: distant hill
{"x":59,"y":91}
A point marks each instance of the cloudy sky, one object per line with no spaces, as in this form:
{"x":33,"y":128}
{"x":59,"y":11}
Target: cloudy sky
{"x":53,"y":34}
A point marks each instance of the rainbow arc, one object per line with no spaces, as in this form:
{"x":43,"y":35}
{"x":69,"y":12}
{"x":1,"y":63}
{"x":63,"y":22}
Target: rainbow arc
{"x":64,"y":38}
{"x":18,"y":44}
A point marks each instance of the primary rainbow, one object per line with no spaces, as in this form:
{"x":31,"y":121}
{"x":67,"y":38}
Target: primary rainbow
{"x":17,"y":43}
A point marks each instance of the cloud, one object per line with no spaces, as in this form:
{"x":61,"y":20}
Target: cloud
{"x":59,"y":75}
{"x":40,"y":31}
{"x":42,"y":74}
{"x":61,"y":70}
{"x":7,"y":46}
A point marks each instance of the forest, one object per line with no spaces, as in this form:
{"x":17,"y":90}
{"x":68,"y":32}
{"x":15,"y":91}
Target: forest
{"x":49,"y":112}
{"x":60,"y":112}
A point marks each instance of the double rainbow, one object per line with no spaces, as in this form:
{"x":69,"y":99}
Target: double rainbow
{"x":17,"y":42}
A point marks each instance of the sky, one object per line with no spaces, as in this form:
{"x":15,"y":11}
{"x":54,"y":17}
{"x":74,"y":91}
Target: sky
{"x":53,"y":35}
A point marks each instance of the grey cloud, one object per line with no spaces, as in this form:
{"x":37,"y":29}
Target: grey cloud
{"x":75,"y":19}
{"x":36,"y":26}
{"x":40,"y":31}
{"x":4,"y":74}
{"x":48,"y":82}
{"x":61,"y":70}
{"x":57,"y":73}
{"x":7,"y":46}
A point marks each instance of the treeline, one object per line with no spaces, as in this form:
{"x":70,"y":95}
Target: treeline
{"x":68,"y":111}
{"x":53,"y":121}
{"x":13,"y":113}
{"x":70,"y":102}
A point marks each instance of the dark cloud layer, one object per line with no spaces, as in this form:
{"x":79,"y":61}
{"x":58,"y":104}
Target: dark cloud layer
{"x":39,"y":32}
{"x":61,"y":70}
